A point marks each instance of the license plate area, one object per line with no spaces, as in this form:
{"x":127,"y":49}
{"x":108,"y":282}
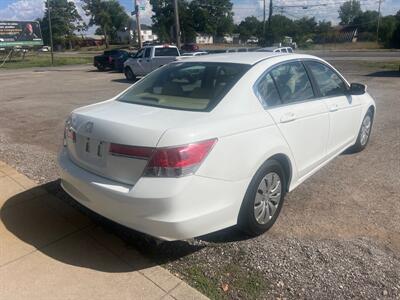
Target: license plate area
{"x":92,"y":150}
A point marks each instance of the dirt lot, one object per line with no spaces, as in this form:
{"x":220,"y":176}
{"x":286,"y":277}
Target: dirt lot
{"x":338,"y":235}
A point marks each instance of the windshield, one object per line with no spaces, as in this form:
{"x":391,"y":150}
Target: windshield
{"x":196,"y":86}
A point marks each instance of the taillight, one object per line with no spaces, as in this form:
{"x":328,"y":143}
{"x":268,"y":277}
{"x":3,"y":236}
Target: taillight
{"x":178,"y":161}
{"x":131,"y":151}
{"x":69,"y":133}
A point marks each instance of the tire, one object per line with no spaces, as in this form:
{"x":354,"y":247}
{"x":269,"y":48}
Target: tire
{"x":101,"y":68}
{"x":129,"y":74}
{"x":260,"y":199}
{"x":363,"y":134}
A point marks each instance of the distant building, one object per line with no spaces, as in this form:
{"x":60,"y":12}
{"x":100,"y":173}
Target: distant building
{"x":90,"y":40}
{"x":127,"y":35}
{"x":202,"y":38}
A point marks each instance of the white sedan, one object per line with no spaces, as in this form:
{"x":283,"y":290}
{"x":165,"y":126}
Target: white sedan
{"x":212,"y":141}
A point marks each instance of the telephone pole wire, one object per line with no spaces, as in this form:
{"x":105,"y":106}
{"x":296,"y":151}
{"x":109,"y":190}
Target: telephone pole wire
{"x":177,"y":27}
{"x":51,"y":32}
{"x":138,"y":29}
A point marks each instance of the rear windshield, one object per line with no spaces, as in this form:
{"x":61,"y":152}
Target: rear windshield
{"x":166,"y":52}
{"x":195,"y":86}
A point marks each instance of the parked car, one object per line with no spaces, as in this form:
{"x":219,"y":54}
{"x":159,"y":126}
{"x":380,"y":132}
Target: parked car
{"x":190,"y":54}
{"x":120,"y":60}
{"x":212,"y":141}
{"x":45,"y":49}
{"x":148,"y":59}
{"x":276,"y":49}
{"x":190,"y":47}
{"x":106,"y":60}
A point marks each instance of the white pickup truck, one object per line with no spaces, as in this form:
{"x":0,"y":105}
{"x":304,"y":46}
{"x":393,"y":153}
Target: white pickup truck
{"x":148,"y":59}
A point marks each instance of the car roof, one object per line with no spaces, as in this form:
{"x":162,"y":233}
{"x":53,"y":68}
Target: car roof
{"x":249,"y":58}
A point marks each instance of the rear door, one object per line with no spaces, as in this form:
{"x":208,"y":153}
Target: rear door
{"x":147,"y":61}
{"x":344,"y":109}
{"x":303,"y":120}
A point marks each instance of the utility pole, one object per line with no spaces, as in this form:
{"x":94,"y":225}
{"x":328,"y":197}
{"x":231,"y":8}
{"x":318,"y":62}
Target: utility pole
{"x":270,"y":14}
{"x":51,"y":32}
{"x":379,"y":21}
{"x":139,"y":31}
{"x":264,"y":18}
{"x":177,"y":27}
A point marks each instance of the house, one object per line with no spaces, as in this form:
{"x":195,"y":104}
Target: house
{"x":90,"y":40}
{"x":130,"y":34}
{"x":202,"y":38}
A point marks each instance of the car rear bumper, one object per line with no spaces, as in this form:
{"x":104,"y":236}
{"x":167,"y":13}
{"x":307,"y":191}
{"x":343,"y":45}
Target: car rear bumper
{"x":167,"y":208}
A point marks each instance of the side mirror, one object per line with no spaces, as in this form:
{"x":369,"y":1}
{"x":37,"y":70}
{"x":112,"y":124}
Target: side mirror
{"x":357,"y":89}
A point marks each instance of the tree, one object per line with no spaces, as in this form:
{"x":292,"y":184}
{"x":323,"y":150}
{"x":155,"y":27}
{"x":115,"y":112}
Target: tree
{"x":213,"y":17}
{"x":164,"y":24}
{"x":395,"y":40}
{"x":250,"y":26}
{"x":109,"y":15}
{"x":65,"y":21}
{"x":348,"y":11}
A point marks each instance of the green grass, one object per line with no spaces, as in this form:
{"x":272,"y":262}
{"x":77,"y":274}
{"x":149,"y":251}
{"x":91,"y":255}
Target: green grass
{"x":204,"y":284}
{"x":44,"y":60}
{"x":347,"y":46}
{"x":242,"y":283}
{"x":382,"y":65}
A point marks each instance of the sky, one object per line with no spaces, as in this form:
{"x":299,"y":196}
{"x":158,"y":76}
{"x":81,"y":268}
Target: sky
{"x":26,"y":10}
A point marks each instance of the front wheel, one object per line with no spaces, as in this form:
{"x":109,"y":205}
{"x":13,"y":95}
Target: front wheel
{"x":129,"y":74}
{"x":363,"y":134}
{"x":264,"y":199}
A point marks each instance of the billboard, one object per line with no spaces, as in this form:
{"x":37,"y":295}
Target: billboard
{"x":20,"y":33}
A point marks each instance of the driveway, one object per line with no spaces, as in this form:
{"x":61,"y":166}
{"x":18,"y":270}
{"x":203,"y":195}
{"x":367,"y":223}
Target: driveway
{"x":50,"y":250}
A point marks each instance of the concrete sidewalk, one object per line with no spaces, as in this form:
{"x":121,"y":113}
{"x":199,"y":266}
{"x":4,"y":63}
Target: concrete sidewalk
{"x":50,"y":250}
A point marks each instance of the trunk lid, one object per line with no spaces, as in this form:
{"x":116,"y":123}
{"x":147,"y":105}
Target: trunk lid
{"x":97,"y":126}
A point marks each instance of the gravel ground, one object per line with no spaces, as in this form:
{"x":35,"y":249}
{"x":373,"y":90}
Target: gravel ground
{"x":338,"y":235}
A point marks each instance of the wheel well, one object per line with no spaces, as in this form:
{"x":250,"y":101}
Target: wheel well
{"x":286,"y":165}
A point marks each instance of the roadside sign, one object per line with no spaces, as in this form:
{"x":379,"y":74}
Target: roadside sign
{"x":20,"y":33}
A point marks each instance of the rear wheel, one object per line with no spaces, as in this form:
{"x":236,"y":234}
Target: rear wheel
{"x":264,"y":199}
{"x":129,"y":74}
{"x":100,"y":68}
{"x":363,"y":134}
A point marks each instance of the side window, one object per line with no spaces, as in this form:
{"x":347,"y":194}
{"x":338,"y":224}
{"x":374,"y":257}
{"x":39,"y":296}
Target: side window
{"x":139,"y":54}
{"x":292,"y":82}
{"x":147,"y":52}
{"x":329,"y":83}
{"x":267,"y":91}
{"x":290,"y":50}
{"x":284,"y":50}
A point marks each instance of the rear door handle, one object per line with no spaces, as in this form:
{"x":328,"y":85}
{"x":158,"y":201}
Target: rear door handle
{"x":289,"y":117}
{"x":334,"y":107}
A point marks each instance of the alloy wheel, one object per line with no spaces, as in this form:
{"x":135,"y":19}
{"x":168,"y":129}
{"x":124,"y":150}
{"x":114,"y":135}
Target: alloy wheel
{"x":267,"y":197}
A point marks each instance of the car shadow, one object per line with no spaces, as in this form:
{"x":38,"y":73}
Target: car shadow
{"x":123,"y":80}
{"x":227,"y":235}
{"x":384,"y":74}
{"x":93,"y":245}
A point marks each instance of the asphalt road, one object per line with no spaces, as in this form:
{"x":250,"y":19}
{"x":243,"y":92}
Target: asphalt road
{"x":354,"y":197}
